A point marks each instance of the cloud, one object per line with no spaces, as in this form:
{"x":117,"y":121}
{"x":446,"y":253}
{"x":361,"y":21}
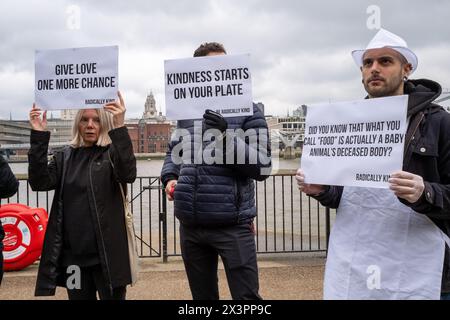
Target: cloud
{"x":300,"y":49}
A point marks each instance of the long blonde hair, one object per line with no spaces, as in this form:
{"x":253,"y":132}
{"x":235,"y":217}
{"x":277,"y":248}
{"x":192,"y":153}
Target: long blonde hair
{"x":106,"y":124}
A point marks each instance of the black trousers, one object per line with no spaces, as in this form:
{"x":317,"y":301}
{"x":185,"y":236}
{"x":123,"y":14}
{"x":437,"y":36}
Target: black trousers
{"x":93,"y":281}
{"x":1,"y":266}
{"x":201,"y":247}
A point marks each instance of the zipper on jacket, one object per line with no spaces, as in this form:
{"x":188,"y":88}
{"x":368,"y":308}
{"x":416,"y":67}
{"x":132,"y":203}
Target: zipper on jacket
{"x":413,"y":133}
{"x":194,"y":205}
{"x":236,"y":194}
{"x":237,"y":199}
{"x":99,"y":227}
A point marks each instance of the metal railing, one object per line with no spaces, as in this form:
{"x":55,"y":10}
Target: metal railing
{"x":287,"y":221}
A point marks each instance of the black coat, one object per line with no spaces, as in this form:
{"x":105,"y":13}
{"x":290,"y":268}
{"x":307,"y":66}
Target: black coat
{"x":214,"y":195}
{"x":104,"y":195}
{"x":427,"y":154}
{"x":8,"y":187}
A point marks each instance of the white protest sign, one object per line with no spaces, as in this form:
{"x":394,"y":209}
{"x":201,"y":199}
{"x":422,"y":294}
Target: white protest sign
{"x":220,"y":83}
{"x":76,"y":78}
{"x":357,"y":143}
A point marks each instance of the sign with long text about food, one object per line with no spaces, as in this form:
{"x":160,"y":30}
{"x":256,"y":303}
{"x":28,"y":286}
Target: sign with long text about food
{"x":357,"y":143}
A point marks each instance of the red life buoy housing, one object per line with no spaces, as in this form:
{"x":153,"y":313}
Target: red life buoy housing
{"x":24,"y":234}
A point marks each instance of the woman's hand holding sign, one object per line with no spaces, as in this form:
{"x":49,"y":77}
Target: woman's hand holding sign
{"x":35,"y":119}
{"x":407,"y":186}
{"x":117,"y":108}
{"x":309,"y":189}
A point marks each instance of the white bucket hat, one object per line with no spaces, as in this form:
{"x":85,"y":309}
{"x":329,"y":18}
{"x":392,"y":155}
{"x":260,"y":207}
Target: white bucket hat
{"x":386,"y":39}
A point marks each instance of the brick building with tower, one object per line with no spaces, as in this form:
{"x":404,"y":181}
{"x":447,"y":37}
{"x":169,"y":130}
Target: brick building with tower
{"x":151,"y":133}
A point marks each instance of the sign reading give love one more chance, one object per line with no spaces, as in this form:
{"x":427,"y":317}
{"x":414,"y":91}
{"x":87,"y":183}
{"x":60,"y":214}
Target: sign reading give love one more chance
{"x":76,"y":78}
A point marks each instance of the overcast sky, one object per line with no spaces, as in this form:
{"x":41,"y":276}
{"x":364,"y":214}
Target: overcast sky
{"x":300,"y":50}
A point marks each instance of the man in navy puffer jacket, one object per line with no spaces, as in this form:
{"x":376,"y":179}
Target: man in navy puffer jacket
{"x":215,"y":201}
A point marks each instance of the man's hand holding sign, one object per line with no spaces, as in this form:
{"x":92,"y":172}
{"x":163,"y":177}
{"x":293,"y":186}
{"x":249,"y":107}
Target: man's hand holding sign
{"x":309,"y":189}
{"x":214,"y":120}
{"x":407,"y":186}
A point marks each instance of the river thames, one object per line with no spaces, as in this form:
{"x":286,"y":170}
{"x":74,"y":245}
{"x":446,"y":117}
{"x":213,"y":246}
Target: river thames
{"x":152,"y":168}
{"x":287,"y":219}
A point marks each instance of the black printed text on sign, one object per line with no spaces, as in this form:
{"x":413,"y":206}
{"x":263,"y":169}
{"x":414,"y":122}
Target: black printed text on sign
{"x":76,"y":78}
{"x":357,"y":143}
{"x":221,"y":83}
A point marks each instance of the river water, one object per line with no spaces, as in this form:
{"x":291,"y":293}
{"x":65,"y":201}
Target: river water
{"x":152,"y":168}
{"x":287,"y":220}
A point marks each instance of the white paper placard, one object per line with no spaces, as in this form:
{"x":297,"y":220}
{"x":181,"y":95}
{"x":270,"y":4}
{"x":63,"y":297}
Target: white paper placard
{"x":357,"y":143}
{"x":76,"y":78}
{"x":221,"y":83}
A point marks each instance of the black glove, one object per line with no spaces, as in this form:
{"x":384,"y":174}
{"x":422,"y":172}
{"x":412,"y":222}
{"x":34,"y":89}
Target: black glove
{"x":214,"y":120}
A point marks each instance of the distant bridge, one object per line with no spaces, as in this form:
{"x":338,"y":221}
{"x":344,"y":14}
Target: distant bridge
{"x":445,"y":96}
{"x":25,"y":146}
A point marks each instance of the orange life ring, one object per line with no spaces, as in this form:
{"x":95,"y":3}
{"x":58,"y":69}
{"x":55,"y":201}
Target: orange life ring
{"x":24,"y":235}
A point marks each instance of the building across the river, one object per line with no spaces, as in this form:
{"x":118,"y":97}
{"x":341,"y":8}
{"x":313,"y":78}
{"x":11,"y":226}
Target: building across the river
{"x":149,"y":134}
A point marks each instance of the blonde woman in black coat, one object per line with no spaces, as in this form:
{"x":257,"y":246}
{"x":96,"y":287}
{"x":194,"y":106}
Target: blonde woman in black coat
{"x":86,"y":233}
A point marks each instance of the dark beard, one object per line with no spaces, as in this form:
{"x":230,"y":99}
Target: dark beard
{"x":390,"y":90}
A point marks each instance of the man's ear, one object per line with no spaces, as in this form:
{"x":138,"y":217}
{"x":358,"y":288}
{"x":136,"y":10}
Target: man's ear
{"x":407,"y":69}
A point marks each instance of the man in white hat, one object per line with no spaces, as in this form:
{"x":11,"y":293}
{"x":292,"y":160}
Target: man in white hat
{"x":391,"y":244}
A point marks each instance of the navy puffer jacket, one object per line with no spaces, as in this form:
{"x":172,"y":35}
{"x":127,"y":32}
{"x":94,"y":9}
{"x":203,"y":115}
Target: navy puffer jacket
{"x":216,"y":194}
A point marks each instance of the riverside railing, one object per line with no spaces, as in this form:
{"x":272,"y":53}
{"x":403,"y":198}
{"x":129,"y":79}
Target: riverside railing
{"x":288,"y":220}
